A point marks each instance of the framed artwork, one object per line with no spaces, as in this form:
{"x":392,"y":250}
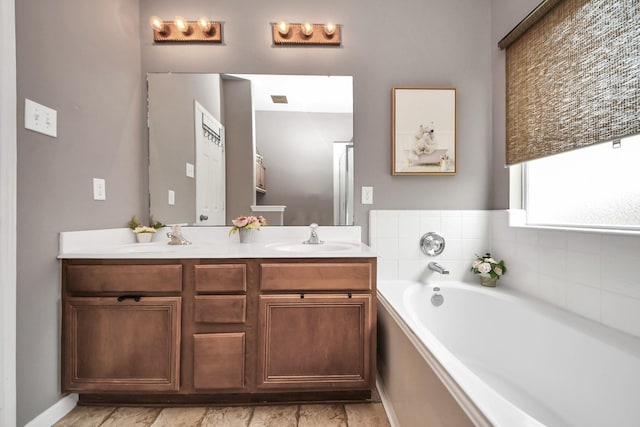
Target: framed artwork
{"x":424,"y":140}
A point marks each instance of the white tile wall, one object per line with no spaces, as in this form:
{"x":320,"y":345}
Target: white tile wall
{"x":395,"y":235}
{"x":592,"y":274}
{"x":595,"y":275}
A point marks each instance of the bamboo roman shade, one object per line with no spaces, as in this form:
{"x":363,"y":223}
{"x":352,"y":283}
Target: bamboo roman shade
{"x":573,"y":77}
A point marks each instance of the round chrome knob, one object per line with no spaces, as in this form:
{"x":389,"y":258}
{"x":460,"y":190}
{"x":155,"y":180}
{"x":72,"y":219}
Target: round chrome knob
{"x":432,"y":244}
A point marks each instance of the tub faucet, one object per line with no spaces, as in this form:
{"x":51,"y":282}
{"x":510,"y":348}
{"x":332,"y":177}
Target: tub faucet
{"x":176,"y":236}
{"x":434,"y":266}
{"x":313,"y":238}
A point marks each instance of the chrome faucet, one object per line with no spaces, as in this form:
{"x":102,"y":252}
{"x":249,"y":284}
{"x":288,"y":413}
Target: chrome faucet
{"x":434,"y":266}
{"x":176,"y":236}
{"x":313,"y":238}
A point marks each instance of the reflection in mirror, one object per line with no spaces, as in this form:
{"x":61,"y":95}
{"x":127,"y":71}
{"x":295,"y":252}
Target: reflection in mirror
{"x":220,"y":144}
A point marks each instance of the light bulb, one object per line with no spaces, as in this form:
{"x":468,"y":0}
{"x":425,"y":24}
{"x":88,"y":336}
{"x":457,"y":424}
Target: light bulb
{"x":307,"y":29}
{"x":157,"y":24}
{"x":283,"y":28}
{"x":204,"y":24}
{"x":182,"y":24}
{"x":329,"y":28}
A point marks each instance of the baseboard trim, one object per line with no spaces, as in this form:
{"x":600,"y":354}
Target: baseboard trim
{"x":55,"y":412}
{"x":386,"y":403}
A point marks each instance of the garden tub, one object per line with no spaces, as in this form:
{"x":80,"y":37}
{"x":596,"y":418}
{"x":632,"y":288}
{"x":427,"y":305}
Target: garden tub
{"x":508,"y":360}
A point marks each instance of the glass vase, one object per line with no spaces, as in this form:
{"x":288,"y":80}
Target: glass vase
{"x":488,"y":281}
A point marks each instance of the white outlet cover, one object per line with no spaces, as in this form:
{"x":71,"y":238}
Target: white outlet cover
{"x":191,"y":171}
{"x":171,"y":199}
{"x":367,"y":195}
{"x":40,"y":119}
{"x":99,"y":189}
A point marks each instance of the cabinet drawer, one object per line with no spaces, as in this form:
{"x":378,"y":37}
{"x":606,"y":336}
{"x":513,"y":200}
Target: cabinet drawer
{"x":221,"y":278}
{"x":218,"y":361}
{"x":221,"y":308}
{"x":315,"y":276}
{"x":124,"y":278}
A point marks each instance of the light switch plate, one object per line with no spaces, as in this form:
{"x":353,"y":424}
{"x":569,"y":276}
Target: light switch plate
{"x":367,"y":195}
{"x":191,"y":172}
{"x":171,"y":199}
{"x":99,"y":189}
{"x":41,"y":119}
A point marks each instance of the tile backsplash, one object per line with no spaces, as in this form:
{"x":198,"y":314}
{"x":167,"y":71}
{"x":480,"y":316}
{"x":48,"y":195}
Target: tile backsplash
{"x":591,"y":274}
{"x":395,"y":236}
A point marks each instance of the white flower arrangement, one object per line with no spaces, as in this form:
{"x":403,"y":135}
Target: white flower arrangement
{"x":144,"y":229}
{"x":486,"y":266}
{"x":138,"y":228}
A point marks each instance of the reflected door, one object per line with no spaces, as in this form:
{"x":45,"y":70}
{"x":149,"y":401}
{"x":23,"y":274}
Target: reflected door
{"x":210,"y":169}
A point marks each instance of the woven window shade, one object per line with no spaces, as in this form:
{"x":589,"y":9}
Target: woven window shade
{"x":573,"y":78}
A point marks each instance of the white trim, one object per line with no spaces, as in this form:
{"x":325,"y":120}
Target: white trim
{"x":386,"y":403}
{"x":8,"y":175}
{"x":518,"y":219}
{"x":55,"y":412}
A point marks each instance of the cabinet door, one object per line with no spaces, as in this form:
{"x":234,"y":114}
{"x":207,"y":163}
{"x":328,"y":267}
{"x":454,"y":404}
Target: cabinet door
{"x":218,"y":361}
{"x":113,"y":344}
{"x":319,"y":342}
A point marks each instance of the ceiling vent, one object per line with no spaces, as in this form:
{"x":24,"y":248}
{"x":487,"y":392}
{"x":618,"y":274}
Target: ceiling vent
{"x":279,"y":99}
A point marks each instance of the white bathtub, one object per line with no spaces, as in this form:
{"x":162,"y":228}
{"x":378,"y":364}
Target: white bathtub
{"x":522,"y":363}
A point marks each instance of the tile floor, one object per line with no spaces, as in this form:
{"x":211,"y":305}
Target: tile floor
{"x":316,"y":415}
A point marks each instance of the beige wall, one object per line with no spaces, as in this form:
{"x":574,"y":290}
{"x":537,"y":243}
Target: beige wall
{"x":88,"y":60}
{"x":385,"y":44}
{"x":82,"y":59}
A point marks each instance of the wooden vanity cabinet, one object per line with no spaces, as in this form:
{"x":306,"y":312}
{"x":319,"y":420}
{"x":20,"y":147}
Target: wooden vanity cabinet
{"x":233,"y":330}
{"x":116,"y":340}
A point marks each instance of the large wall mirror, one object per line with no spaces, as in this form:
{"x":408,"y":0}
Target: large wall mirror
{"x":224,"y":145}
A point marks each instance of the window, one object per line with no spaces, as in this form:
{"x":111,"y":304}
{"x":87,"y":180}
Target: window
{"x":594,"y":187}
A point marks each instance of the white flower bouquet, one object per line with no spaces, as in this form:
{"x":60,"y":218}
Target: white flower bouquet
{"x":486,"y":266}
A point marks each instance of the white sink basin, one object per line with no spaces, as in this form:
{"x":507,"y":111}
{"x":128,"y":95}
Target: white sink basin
{"x":310,"y":248}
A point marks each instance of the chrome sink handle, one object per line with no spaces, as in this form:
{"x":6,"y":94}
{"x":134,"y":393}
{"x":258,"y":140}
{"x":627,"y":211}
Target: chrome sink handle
{"x":176,"y":237}
{"x":313,"y":238}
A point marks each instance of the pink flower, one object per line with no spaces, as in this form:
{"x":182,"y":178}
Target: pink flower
{"x":241,"y":221}
{"x":498,"y":271}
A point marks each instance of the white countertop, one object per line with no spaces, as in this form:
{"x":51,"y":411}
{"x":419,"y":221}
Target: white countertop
{"x":215,"y":242}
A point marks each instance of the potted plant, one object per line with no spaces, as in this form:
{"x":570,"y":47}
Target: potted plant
{"x":246,"y":225}
{"x":488,"y":269}
{"x":144,"y":233}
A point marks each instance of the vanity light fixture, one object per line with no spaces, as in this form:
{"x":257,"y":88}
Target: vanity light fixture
{"x":181,"y":30}
{"x":285,"y":33}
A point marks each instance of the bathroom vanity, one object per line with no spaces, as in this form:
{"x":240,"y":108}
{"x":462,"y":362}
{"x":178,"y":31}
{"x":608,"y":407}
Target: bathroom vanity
{"x":223,"y":322}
